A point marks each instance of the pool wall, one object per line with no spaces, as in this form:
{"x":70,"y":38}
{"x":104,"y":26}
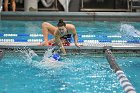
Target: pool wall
{"x":72,"y":16}
{"x":83,"y":49}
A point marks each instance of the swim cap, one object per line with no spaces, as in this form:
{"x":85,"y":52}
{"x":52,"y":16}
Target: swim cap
{"x":56,"y":56}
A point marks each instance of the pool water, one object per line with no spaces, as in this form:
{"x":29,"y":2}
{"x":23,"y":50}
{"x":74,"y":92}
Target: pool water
{"x":76,"y":73}
{"x":128,"y":30}
{"x":131,"y":66}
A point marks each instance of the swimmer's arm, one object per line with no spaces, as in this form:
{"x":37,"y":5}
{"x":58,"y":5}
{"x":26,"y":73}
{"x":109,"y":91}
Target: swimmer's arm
{"x":75,"y":36}
{"x":58,"y":41}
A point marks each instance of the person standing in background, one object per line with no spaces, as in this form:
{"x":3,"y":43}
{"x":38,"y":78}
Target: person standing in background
{"x":13,"y":3}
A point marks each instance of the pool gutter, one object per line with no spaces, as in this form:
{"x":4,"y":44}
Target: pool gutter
{"x":86,"y":47}
{"x":71,"y":16}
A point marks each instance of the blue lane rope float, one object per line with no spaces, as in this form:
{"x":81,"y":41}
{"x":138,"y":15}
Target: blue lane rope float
{"x":27,"y":35}
{"x":80,"y":41}
{"x":83,"y":36}
{"x":124,"y":82}
{"x":105,"y":38}
{"x":21,"y":40}
{"x":1,"y":34}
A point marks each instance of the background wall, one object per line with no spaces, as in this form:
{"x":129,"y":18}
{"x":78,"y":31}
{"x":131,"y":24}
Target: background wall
{"x":110,"y":4}
{"x":75,"y":5}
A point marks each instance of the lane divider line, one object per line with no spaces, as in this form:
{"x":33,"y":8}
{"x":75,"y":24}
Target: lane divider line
{"x":83,"y":36}
{"x":85,"y":41}
{"x":124,"y":82}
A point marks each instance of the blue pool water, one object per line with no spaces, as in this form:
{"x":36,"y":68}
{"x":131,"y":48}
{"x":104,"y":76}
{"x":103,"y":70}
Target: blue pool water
{"x":131,"y":66}
{"x":85,"y":73}
{"x":77,"y":73}
{"x":128,"y":30}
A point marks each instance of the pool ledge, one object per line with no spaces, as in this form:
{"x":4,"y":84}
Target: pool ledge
{"x":89,"y":46}
{"x":72,"y":16}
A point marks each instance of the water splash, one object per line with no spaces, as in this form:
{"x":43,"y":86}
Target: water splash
{"x":46,"y":62}
{"x":129,"y":30}
{"x":48,"y":54}
{"x":49,"y":62}
{"x":29,"y":55}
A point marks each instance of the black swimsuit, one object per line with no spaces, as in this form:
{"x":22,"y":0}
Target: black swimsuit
{"x":67,"y":37}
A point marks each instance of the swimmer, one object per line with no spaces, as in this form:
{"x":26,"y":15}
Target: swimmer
{"x":61,"y":33}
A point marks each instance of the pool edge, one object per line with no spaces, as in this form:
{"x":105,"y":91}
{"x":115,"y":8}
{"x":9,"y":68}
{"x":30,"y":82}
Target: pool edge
{"x":71,"y":16}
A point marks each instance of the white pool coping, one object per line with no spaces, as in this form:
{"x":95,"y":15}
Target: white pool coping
{"x":85,"y":45}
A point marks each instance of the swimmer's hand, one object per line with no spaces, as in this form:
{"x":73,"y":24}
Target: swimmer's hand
{"x":44,"y":44}
{"x":76,"y":44}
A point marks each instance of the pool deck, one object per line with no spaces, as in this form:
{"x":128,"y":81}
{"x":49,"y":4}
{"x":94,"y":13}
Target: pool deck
{"x":71,"y":16}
